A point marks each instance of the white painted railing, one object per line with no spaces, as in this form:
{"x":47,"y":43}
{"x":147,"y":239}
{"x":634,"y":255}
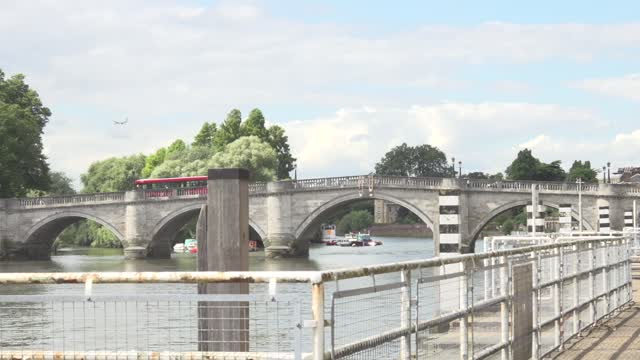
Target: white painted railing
{"x":433,"y":308}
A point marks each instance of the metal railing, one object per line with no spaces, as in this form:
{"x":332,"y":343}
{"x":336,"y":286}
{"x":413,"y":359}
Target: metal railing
{"x":439,"y":307}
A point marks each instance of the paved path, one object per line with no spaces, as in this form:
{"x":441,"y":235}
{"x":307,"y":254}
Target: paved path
{"x":618,"y":338}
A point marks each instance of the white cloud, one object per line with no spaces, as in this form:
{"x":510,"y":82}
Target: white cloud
{"x":627,"y":86}
{"x":484,"y":136}
{"x":622,"y":150}
{"x":170,"y":66}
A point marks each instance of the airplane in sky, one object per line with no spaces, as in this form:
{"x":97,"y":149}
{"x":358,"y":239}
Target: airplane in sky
{"x":121,"y":122}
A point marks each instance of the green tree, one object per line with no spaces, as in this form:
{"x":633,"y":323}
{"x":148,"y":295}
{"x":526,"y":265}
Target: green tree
{"x":152,"y":161}
{"x":478,"y":175}
{"x":23,"y":166}
{"x":280,"y":143}
{"x":206,"y":135}
{"x":422,"y":160}
{"x":61,"y":184}
{"x":528,"y":167}
{"x":114,"y":174}
{"x":580,"y":170}
{"x":229,"y":130}
{"x":250,"y":153}
{"x":356,"y":220}
{"x":508,"y":227}
{"x":176,"y":148}
{"x":254,"y":125}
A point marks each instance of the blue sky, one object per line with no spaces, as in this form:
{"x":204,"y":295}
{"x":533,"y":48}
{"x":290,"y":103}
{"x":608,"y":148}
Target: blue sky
{"x":347,"y":79}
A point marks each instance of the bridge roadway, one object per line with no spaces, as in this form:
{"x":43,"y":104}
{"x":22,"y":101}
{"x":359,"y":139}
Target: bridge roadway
{"x":618,"y":338}
{"x":287,"y":214}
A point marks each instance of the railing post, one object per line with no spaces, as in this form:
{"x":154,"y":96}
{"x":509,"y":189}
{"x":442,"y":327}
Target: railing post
{"x":592,"y":289}
{"x":605,"y":277}
{"x":464,"y":321}
{"x":405,"y":315}
{"x":557,"y":301}
{"x":317,"y":311}
{"x":576,"y":290}
{"x":504,"y":307}
{"x":536,"y":314}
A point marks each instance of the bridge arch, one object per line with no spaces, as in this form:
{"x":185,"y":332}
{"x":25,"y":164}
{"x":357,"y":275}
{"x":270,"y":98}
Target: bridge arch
{"x":166,"y":229}
{"x":40,"y":236}
{"x":516,"y":204}
{"x":312,"y":218}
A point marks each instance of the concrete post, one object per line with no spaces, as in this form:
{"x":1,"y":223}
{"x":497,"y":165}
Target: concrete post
{"x":280,"y":241}
{"x":224,"y":326}
{"x":135,"y":219}
{"x":3,"y":228}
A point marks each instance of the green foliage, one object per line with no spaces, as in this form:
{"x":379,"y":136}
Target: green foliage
{"x":254,"y":125}
{"x":478,"y":175}
{"x":152,"y":161}
{"x":527,"y":167}
{"x":176,"y":148}
{"x":508,"y":227}
{"x":88,"y":233}
{"x":229,"y":130}
{"x":251,"y":153}
{"x":422,"y":160}
{"x":114,"y":174}
{"x":580,"y":170}
{"x":23,"y":166}
{"x":356,"y":220}
{"x":60,"y":184}
{"x":206,"y":135}
{"x":280,"y":143}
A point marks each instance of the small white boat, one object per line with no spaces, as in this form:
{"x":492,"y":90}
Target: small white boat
{"x":178,"y":248}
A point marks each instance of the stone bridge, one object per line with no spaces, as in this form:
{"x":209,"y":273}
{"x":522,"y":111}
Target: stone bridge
{"x":287,"y":214}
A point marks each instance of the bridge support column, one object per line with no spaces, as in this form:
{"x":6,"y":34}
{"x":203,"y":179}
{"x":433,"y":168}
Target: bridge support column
{"x":135,"y":219}
{"x":564,"y":219}
{"x":280,"y":240}
{"x":628,"y":218}
{"x":604,"y":224}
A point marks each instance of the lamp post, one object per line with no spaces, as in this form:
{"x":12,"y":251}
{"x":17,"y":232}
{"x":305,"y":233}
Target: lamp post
{"x":453,"y":167}
{"x":604,"y":174}
{"x":295,"y":171}
{"x":579,"y":182}
{"x":609,"y":171}
{"x":460,"y":167}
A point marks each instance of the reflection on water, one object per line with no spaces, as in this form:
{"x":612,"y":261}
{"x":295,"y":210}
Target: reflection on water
{"x":321,"y":257}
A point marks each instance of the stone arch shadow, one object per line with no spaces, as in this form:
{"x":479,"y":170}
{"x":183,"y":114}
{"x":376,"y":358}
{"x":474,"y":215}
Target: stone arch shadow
{"x":515,"y":204}
{"x":166,"y":229}
{"x":303,"y":231}
{"x":40,"y":237}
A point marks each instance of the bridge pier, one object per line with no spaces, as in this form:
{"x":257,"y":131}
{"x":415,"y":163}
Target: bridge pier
{"x":280,"y":240}
{"x":135,"y":218}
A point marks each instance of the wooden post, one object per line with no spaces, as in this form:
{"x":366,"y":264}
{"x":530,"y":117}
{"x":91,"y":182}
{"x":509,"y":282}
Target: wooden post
{"x":223,"y":235}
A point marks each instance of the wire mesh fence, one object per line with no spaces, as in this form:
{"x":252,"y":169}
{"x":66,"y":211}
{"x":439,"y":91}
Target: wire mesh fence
{"x":148,"y":324}
{"x":476,"y":306}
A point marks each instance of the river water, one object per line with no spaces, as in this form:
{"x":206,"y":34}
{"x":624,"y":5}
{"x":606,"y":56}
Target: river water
{"x":321,"y":257}
{"x":129,"y":316}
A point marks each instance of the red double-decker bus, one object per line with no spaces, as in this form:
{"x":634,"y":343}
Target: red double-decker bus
{"x":168,"y":187}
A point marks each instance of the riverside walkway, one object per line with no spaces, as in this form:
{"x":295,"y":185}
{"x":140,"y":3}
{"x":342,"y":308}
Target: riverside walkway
{"x":618,"y":338}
